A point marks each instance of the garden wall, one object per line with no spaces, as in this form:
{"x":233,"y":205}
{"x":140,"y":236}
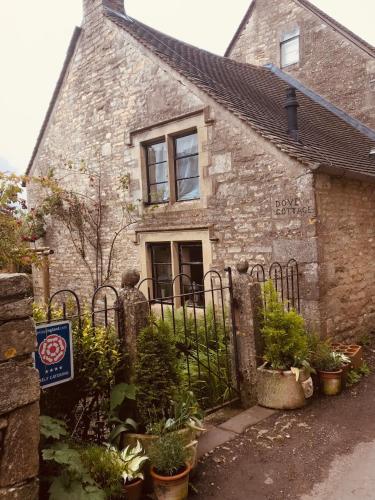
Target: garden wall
{"x":19,"y":391}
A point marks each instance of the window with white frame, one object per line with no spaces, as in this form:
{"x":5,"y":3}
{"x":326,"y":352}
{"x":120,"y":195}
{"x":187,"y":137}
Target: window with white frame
{"x":172,"y":168}
{"x":290,"y":48}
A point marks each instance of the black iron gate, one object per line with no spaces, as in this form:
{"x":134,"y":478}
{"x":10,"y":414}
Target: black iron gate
{"x":202,"y":320}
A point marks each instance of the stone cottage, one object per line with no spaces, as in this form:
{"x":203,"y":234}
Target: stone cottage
{"x":312,"y":47}
{"x":223,"y":160}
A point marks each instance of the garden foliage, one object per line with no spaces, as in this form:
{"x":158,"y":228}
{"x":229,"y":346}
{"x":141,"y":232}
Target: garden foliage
{"x":168,"y":454}
{"x":97,"y":359}
{"x":286,"y":342}
{"x":208,"y":363}
{"x":157,"y":373}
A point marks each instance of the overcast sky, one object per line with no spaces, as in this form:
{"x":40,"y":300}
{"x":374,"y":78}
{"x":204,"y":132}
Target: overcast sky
{"x":34,"y":36}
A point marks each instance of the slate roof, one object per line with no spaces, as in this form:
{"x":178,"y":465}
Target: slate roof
{"x":257,"y":96}
{"x":329,"y":138}
{"x":346,"y":32}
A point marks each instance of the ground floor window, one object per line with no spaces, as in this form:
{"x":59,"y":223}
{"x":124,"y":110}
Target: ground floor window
{"x":161,"y":261}
{"x":172,"y":258}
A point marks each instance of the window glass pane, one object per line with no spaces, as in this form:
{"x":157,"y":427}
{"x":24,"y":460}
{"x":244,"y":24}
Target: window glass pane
{"x":159,"y":193}
{"x":158,"y":173}
{"x":191,"y":264}
{"x":187,"y":145}
{"x":290,"y":52}
{"x":156,"y":153}
{"x":188,"y":189}
{"x":187,"y":167}
{"x":161,"y":254}
{"x":162,"y":270}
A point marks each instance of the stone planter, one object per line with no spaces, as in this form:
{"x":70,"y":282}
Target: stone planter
{"x":171,"y":487}
{"x":279,"y":389}
{"x":330,"y":382}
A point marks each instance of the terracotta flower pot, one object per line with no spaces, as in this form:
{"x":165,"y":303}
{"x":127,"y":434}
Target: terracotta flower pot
{"x":330,"y":382}
{"x":171,"y":487}
{"x":133,"y":490}
{"x":147,"y":440}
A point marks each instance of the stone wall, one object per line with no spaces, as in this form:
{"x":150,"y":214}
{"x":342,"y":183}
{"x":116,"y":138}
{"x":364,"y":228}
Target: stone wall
{"x":19,"y":391}
{"x":330,"y":64}
{"x":114,"y":87}
{"x":346,"y":232}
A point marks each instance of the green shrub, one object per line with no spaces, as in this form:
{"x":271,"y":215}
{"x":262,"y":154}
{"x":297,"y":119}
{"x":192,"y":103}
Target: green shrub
{"x":208,"y":346}
{"x":168,"y":454}
{"x":286,"y":342}
{"x":105,"y":467}
{"x":331,"y":361}
{"x":157,"y":375}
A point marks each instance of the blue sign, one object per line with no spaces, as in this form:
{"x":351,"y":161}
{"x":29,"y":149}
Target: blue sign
{"x":54,"y":356}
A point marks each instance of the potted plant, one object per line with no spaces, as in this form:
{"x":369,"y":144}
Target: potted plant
{"x":329,"y":365}
{"x":169,"y":467}
{"x":133,"y":460}
{"x":283,"y":381}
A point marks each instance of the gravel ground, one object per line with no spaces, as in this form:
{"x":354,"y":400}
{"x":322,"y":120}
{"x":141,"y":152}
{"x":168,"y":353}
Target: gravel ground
{"x":285,"y":455}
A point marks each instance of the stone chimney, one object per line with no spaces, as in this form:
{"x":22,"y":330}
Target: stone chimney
{"x":91,"y":8}
{"x":291,"y":107}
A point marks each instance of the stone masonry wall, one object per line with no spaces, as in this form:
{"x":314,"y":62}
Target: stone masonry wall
{"x":330,"y":64}
{"x":260,"y":202}
{"x":19,"y":391}
{"x":346,"y":231}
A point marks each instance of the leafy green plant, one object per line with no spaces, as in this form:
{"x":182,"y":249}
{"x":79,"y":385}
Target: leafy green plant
{"x":105,"y":467}
{"x":132,"y":460}
{"x":169,"y":454}
{"x":157,"y":374}
{"x":73,"y":480}
{"x":286,"y":342}
{"x":332,"y":361}
{"x":119,"y":394}
{"x":364,"y":369}
{"x":52,"y":427}
{"x":355,"y":375}
{"x":203,"y":336}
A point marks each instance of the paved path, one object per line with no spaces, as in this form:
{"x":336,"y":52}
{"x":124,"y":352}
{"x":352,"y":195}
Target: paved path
{"x":325,"y":451}
{"x":350,"y":477}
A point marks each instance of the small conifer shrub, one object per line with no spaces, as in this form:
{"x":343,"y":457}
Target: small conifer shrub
{"x":286,"y":342}
{"x":157,"y":373}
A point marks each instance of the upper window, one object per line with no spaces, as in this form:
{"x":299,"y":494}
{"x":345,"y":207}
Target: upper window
{"x":289,"y":49}
{"x":187,"y":167}
{"x":177,"y":180}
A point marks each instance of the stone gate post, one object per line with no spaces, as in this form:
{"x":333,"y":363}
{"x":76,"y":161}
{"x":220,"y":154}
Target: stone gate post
{"x":19,"y":391}
{"x":247,"y":305}
{"x":134,"y":313}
